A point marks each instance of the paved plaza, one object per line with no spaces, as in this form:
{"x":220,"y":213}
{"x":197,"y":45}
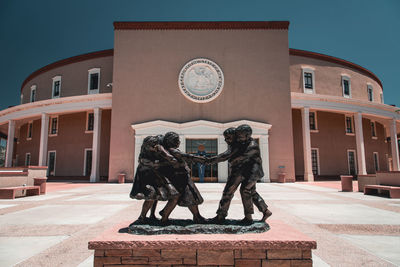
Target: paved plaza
{"x":351,"y":229}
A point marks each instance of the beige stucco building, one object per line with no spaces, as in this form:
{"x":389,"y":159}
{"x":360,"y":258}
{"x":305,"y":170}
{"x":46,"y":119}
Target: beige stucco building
{"x":313,"y":115}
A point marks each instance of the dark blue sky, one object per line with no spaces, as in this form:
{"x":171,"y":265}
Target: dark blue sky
{"x":36,"y":33}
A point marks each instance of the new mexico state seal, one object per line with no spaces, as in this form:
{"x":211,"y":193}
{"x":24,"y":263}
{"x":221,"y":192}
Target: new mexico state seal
{"x":201,"y":80}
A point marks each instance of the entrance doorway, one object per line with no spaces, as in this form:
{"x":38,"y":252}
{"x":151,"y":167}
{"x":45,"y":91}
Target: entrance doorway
{"x":203,"y":147}
{"x":51,"y":171}
{"x":88,"y":162}
{"x":351,"y":159}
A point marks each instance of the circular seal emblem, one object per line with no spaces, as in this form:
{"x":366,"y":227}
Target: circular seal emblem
{"x":201,"y":80}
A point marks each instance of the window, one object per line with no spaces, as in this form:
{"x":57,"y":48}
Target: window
{"x":3,"y":148}
{"x":87,"y":168}
{"x":93,"y":81}
{"x":51,"y":163}
{"x":29,"y":133}
{"x":89,"y":122}
{"x":56,"y":91}
{"x":351,"y":160}
{"x":27,"y":159}
{"x":349,"y":125}
{"x":33,"y":93}
{"x":376,"y":161}
{"x":315,"y":160}
{"x":370,"y":93}
{"x":53,"y":126}
{"x":313,"y":121}
{"x":373,"y":130}
{"x":381,"y":95}
{"x":308,"y":80}
{"x":346,"y":86}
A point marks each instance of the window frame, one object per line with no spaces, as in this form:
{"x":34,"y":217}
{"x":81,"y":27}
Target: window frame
{"x":376,"y":161}
{"x":33,"y":96}
{"x":90,"y":72}
{"x":85,"y":159}
{"x":56,"y":79}
{"x":55,"y":162}
{"x":312,"y":71}
{"x":318,"y":162}
{"x":348,"y":79}
{"x":87,"y":122}
{"x":26,"y":159}
{"x":51,"y":125}
{"x":355,"y":161}
{"x":370,"y":88}
{"x":352,"y":124}
{"x":29,"y":130}
{"x":373,"y":130}
{"x":315,"y":121}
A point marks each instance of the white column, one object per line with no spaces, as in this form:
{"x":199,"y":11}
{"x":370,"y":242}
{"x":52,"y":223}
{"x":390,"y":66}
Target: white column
{"x":10,"y":143}
{"x":95,"y":175}
{"x":395,"y":148}
{"x":308,"y":174}
{"x":222,"y":166}
{"x":265,"y":157}
{"x":362,"y":170}
{"x":44,"y":135}
{"x":138,"y":146}
{"x":182,"y":146}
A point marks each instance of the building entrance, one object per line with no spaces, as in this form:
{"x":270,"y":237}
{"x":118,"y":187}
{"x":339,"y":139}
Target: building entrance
{"x":203,"y":147}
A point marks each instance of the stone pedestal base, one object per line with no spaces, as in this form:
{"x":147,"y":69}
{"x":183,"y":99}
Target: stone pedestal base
{"x":280,"y":246}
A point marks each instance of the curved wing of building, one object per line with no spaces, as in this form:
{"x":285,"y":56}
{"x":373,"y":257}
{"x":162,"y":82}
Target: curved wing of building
{"x":313,"y":115}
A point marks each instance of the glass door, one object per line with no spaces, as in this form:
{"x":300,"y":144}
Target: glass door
{"x":203,"y":147}
{"x":88,"y":162}
{"x":51,"y":171}
{"x":352,"y":162}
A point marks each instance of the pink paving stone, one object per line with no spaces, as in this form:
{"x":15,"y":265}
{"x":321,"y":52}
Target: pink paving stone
{"x":332,"y":184}
{"x":280,"y":236}
{"x":59,"y":186}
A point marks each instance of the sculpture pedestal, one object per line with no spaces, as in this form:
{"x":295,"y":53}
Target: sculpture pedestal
{"x":280,"y":246}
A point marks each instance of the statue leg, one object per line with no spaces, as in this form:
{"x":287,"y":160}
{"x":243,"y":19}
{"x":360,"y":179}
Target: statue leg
{"x":261,"y":205}
{"x":145,"y":208}
{"x":197,"y":218}
{"x":153,"y":210}
{"x":258,"y":201}
{"x":246,"y":191}
{"x":166,"y":211}
{"x":230,"y":188}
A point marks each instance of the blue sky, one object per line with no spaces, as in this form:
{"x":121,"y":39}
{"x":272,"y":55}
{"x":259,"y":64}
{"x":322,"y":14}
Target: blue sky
{"x":36,"y":33}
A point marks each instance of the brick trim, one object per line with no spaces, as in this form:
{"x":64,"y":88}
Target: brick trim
{"x":66,"y":61}
{"x":202,"y":25}
{"x":303,"y":53}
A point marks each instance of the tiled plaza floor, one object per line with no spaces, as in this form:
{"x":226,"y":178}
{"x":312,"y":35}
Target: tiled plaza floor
{"x":53,"y":229}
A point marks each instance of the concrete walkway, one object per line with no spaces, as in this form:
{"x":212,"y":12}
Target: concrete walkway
{"x":53,"y":229}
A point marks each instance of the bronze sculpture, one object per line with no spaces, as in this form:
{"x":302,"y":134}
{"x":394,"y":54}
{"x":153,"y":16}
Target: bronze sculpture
{"x":180,"y":177}
{"x":245,"y":168}
{"x":150,"y":183}
{"x":163,"y":174}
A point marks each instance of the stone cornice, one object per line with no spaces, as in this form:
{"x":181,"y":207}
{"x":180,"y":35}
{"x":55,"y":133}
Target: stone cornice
{"x":56,"y":106}
{"x":202,"y":25}
{"x":341,"y":104}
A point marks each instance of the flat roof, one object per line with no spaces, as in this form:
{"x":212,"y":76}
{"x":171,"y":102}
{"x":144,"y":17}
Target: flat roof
{"x":201,"y":25}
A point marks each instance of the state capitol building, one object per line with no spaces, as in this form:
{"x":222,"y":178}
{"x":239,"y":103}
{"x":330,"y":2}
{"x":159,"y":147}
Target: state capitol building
{"x":314,"y":116}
